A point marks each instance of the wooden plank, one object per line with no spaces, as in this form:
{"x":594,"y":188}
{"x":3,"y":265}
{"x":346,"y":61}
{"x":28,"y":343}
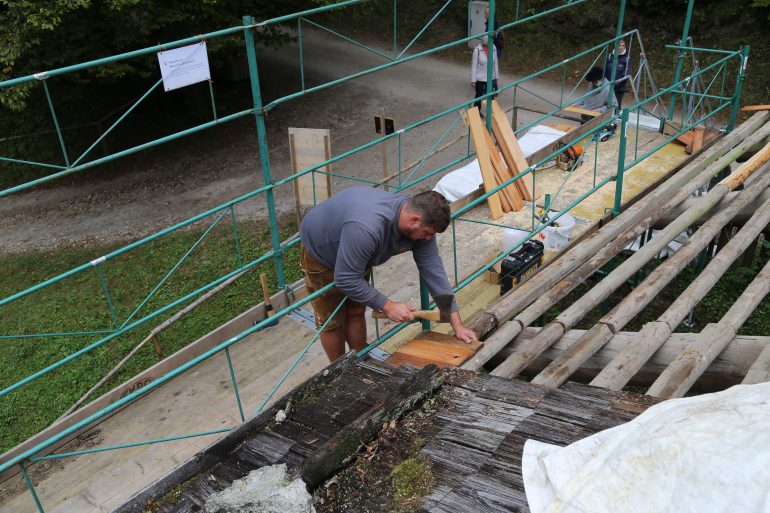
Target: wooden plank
{"x":436,"y":350}
{"x":448,"y":340}
{"x":582,"y":112}
{"x":728,"y":369}
{"x":512,"y":153}
{"x":736,"y":179}
{"x":485,"y":164}
{"x":400,"y":359}
{"x":309,"y":147}
{"x":760,"y":370}
{"x":430,"y":347}
{"x":685,"y":138}
{"x":754,"y":108}
{"x":324,"y":461}
{"x":697,"y":141}
{"x":510,"y":193}
{"x":561,"y":127}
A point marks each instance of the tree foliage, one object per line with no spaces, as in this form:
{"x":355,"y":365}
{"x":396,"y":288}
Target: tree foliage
{"x":39,"y":35}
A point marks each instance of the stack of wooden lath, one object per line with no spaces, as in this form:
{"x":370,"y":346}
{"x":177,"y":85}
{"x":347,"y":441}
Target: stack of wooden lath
{"x":500,"y":159}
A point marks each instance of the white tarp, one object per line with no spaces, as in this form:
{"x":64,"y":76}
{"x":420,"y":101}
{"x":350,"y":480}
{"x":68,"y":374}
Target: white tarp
{"x":704,"y":454}
{"x":467,"y":179}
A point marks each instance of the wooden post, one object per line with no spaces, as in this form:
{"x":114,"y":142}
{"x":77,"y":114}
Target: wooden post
{"x":384,"y":151}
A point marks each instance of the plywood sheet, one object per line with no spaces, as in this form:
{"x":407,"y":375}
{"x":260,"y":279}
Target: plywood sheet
{"x":431,"y":347}
{"x":309,"y":147}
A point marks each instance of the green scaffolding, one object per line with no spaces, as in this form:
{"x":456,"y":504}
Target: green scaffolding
{"x":720,"y":94}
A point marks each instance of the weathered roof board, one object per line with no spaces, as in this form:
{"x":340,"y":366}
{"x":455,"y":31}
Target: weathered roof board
{"x":476,"y":455}
{"x":319,"y":410}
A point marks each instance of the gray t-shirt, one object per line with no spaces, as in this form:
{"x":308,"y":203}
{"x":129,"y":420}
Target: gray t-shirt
{"x":599,"y":97}
{"x":357,"y":229}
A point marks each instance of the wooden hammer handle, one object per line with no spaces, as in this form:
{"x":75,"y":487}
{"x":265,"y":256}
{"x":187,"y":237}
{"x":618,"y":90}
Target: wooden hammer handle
{"x":428,"y":315}
{"x":265,"y":290}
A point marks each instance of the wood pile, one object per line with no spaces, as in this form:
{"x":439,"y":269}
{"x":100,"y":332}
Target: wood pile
{"x":500,"y":159}
{"x":696,"y":139}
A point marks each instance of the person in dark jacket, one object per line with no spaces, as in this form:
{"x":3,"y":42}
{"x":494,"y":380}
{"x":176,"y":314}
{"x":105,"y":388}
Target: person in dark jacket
{"x":356,"y":229}
{"x":623,"y":74}
{"x":499,"y":39}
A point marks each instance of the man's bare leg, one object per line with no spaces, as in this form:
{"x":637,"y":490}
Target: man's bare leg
{"x":355,"y":326}
{"x":333,"y":342}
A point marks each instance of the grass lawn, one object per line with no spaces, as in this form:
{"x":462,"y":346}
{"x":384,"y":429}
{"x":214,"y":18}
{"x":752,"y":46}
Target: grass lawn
{"x":78,"y":303}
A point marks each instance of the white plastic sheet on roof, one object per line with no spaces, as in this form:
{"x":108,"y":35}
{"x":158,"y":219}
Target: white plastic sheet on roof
{"x":709,"y":453}
{"x":465,"y":180}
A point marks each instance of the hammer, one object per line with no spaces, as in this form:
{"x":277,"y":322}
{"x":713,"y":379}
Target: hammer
{"x":443,"y":314}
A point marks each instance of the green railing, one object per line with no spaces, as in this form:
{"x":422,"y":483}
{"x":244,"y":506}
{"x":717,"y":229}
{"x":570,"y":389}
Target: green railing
{"x":134,"y":317}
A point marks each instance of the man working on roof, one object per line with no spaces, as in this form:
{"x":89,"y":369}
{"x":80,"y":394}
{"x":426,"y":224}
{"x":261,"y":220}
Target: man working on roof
{"x":358,"y":228}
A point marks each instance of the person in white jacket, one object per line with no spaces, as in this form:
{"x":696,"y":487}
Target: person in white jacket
{"x":479,"y":70}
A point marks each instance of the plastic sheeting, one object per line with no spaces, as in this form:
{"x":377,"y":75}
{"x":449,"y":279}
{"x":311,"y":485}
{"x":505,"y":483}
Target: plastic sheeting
{"x":703,"y":454}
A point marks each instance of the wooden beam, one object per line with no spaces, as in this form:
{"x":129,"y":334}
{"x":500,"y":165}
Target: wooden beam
{"x":582,"y":112}
{"x":578,"y":309}
{"x":485,"y":164}
{"x":678,"y":377}
{"x":668,"y":194}
{"x":730,"y":367}
{"x":760,"y":370}
{"x":330,"y":456}
{"x":510,"y":192}
{"x":697,"y":140}
{"x":736,"y":179}
{"x":512,"y":153}
{"x":654,"y":335}
{"x":754,"y":108}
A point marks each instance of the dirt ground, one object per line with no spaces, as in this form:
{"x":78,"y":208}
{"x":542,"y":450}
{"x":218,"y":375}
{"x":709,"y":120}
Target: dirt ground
{"x":152,"y":190}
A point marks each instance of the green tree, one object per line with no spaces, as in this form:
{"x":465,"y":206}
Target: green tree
{"x":38,"y":35}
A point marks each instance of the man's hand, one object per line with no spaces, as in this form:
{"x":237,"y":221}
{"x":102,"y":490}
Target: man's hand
{"x":466,"y":335}
{"x":398,"y":312}
{"x":473,"y":85}
{"x":461,"y":332}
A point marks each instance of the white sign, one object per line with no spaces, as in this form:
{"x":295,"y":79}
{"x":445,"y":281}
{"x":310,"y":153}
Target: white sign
{"x":184,"y":66}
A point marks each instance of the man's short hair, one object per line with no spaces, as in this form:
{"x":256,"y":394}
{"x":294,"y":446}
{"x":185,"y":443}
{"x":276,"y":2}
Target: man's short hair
{"x":433,"y":208}
{"x":594,"y":74}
